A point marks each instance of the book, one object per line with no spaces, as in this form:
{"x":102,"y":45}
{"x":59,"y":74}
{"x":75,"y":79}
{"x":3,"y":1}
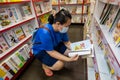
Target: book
{"x":4,"y":18}
{"x":26,"y":30}
{"x":27,"y":10}
{"x":2,"y":73}
{"x":10,"y":37}
{"x":112,"y":16}
{"x":19,"y":33}
{"x":17,"y":60}
{"x":81,"y":48}
{"x":106,"y":14}
{"x":3,"y":44}
{"x":116,"y":33}
{"x":38,"y":9}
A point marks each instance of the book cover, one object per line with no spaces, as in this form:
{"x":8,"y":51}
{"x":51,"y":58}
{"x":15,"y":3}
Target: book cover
{"x":81,"y":48}
{"x":17,"y":60}
{"x":38,"y":9}
{"x":19,"y":33}
{"x":2,"y":73}
{"x":116,"y":33}
{"x":112,"y":15}
{"x":14,"y":64}
{"x":27,"y":10}
{"x":11,"y":14}
{"x":15,"y":13}
{"x":20,"y":57}
{"x":24,"y":52}
{"x":11,"y":66}
{"x":26,"y":29}
{"x":10,"y":37}
{"x":8,"y":68}
{"x":4,"y":18}
{"x":3,"y":45}
{"x":106,"y":14}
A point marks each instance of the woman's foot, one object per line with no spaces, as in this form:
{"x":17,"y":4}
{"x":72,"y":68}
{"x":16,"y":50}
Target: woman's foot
{"x":48,"y":72}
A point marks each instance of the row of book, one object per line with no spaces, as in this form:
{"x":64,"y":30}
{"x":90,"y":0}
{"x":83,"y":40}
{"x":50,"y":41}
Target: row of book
{"x":54,"y":2}
{"x":11,"y":15}
{"x":76,"y":9}
{"x":42,"y":7}
{"x":14,"y":36}
{"x":108,"y":55}
{"x":14,"y":63}
{"x":110,"y":17}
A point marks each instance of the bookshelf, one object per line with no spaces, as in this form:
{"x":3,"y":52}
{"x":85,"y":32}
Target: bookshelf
{"x":105,"y":20}
{"x":18,"y":19}
{"x":78,"y":8}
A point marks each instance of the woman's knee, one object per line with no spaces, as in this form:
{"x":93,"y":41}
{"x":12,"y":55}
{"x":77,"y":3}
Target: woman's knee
{"x":58,"y":65}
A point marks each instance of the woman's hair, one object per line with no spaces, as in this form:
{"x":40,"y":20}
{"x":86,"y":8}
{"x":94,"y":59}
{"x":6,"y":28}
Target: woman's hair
{"x":62,"y":16}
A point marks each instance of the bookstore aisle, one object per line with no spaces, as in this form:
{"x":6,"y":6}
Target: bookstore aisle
{"x":75,"y":72}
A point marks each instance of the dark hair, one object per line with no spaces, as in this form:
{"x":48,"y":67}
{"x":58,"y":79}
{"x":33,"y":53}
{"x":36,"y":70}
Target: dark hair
{"x":62,"y":16}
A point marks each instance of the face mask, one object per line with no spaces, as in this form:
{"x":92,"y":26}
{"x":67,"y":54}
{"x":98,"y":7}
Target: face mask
{"x":64,"y":30}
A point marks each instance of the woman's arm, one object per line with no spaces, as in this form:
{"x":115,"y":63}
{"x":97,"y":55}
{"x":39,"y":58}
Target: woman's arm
{"x":67,"y":44}
{"x":59,"y":56}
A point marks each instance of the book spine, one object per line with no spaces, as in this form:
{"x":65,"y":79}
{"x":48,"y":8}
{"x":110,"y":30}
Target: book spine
{"x":8,"y":68}
{"x":17,"y":61}
{"x":11,"y":66}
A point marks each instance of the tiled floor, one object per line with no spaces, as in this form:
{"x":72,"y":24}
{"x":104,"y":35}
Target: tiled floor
{"x":71,"y":71}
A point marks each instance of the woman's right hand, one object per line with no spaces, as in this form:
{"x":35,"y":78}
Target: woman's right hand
{"x":74,"y":58}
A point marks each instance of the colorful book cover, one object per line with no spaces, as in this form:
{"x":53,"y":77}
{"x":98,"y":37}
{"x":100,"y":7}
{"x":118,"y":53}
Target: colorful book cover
{"x":26,"y":30}
{"x":116,"y":33}
{"x":8,"y":68}
{"x":15,"y":13}
{"x":38,"y":9}
{"x":20,"y":57}
{"x":11,"y":14}
{"x":4,"y":18}
{"x":17,"y":60}
{"x":24,"y":52}
{"x":3,"y":45}
{"x":27,"y":10}
{"x":81,"y":48}
{"x":2,"y":73}
{"x":10,"y":37}
{"x":112,"y":15}
{"x":19,"y":33}
{"x":11,"y":66}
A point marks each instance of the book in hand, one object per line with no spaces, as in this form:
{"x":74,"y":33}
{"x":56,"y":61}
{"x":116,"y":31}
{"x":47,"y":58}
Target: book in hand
{"x":81,"y":48}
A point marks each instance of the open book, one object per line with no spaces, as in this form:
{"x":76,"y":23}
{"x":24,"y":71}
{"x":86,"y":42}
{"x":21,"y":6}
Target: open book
{"x":82,"y":48}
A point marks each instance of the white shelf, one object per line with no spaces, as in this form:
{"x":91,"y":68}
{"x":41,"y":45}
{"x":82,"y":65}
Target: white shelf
{"x":110,"y":41}
{"x":91,"y":73}
{"x":113,"y":3}
{"x":18,"y":23}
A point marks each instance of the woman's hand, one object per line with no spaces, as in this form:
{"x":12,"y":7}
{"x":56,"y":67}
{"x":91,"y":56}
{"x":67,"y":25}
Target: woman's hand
{"x":74,"y":58}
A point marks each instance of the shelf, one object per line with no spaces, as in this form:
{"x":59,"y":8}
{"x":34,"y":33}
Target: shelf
{"x":91,"y":74}
{"x":71,"y":4}
{"x":102,"y":64}
{"x":115,"y":2}
{"x":23,"y":68}
{"x":12,"y":49}
{"x":110,"y":41}
{"x":16,"y":24}
{"x":38,"y":15}
{"x":17,"y":2}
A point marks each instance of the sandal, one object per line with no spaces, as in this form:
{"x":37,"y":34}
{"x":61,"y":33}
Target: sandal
{"x":48,"y":72}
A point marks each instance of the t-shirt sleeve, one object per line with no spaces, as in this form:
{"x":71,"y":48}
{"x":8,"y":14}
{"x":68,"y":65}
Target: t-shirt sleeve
{"x":65,"y":37}
{"x":46,"y":40}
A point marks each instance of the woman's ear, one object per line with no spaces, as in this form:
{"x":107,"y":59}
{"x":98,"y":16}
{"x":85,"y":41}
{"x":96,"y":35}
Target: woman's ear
{"x":58,"y":23}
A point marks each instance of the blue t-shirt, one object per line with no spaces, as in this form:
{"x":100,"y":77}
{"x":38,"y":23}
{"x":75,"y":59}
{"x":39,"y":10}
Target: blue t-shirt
{"x":48,"y":39}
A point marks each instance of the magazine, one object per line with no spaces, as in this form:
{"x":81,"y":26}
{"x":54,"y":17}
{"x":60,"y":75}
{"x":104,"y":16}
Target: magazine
{"x":81,"y":48}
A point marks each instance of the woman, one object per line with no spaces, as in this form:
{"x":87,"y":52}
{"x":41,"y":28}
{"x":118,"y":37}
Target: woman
{"x":51,"y":42}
